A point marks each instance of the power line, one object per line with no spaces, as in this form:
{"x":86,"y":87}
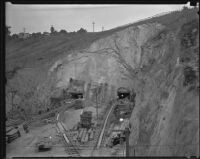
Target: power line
{"x":93,"y":25}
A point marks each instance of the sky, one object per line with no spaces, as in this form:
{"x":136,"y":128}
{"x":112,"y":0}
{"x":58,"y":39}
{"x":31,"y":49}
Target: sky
{"x":39,"y":18}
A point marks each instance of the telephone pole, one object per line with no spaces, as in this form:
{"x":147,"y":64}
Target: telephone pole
{"x":97,"y":106}
{"x":127,"y":133}
{"x":93,"y":25}
{"x":13,"y":93}
{"x":102,"y":29}
{"x":24,"y":30}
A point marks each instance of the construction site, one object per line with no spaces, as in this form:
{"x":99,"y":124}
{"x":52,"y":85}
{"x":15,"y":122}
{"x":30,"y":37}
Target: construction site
{"x":84,"y":120}
{"x":129,"y":91}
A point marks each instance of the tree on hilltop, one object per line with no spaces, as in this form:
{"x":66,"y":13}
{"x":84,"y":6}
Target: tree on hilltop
{"x":52,"y":29}
{"x":62,"y":31}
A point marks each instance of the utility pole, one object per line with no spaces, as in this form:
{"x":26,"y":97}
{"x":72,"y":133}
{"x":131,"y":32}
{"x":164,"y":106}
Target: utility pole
{"x":93,"y":25}
{"x":97,"y":105}
{"x":12,"y":102}
{"x":127,"y":133}
{"x":102,"y":29}
{"x":13,"y":92}
{"x":24,"y":30}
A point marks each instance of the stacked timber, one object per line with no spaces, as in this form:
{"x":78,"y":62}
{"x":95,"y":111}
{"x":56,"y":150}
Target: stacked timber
{"x":86,"y":119}
{"x":84,"y":135}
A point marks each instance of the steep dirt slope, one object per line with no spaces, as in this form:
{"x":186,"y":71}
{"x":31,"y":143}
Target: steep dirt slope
{"x":161,"y":65}
{"x":166,"y":117}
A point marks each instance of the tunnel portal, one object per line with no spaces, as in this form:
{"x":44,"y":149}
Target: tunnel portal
{"x":123,"y":93}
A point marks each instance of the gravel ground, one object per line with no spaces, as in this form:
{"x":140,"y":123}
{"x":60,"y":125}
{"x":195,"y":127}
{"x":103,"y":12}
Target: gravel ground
{"x":25,"y":146}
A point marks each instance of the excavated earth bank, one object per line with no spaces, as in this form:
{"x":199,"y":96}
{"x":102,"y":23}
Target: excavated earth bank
{"x":161,"y":65}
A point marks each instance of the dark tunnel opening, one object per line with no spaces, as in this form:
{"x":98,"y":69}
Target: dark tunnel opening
{"x":76,"y":95}
{"x":123,"y":95}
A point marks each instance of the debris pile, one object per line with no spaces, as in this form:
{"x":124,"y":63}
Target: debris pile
{"x":12,"y":134}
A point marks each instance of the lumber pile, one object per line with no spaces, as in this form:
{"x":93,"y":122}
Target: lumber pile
{"x":86,"y":119}
{"x":84,"y":135}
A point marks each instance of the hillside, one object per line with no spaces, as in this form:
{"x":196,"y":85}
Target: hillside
{"x":34,"y":51}
{"x":157,"y":58}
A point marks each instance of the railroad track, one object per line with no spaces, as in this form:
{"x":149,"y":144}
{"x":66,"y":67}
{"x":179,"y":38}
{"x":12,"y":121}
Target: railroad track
{"x":73,"y":148}
{"x":102,"y":135}
{"x":70,"y":148}
{"x":96,"y":136}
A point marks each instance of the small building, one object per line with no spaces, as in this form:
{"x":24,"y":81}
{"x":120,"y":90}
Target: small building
{"x":24,"y":35}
